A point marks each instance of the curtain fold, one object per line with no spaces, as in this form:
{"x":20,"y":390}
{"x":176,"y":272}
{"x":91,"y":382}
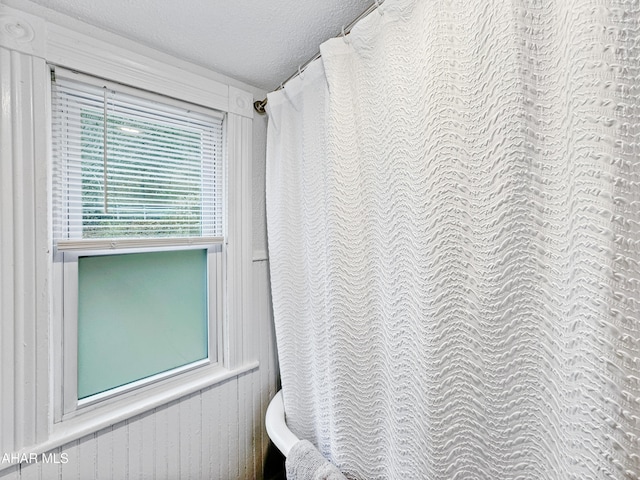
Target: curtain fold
{"x":296,"y":151}
{"x":453,"y":214}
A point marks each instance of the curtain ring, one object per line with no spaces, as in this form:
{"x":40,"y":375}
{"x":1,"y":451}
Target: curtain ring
{"x":344,"y":35}
{"x":378,"y":7}
{"x":300,"y":71}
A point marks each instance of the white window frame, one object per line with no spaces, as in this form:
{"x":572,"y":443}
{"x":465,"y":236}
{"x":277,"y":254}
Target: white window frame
{"x":67,"y":253}
{"x":67,"y":404}
{"x":217,"y":367}
{"x":124,"y":62}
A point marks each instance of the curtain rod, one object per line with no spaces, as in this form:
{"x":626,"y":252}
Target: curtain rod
{"x":259,"y":105}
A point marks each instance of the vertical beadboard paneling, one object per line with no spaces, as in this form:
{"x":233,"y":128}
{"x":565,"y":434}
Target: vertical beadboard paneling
{"x":261,"y":393}
{"x":255,"y":433}
{"x":71,"y":469}
{"x":28,"y":77}
{"x":23,"y":245}
{"x":189,"y":436}
{"x":120,"y":446}
{"x":161,"y":442}
{"x":104,"y":454}
{"x":7,"y":260}
{"x":30,"y":472}
{"x":224,"y":427}
{"x":87,"y":457}
{"x":268,"y":353}
{"x":173,"y":440}
{"x":183,"y":435}
{"x":150,"y":462}
{"x":12,"y":473}
{"x":52,"y":471}
{"x":207,"y":439}
{"x":134,"y":453}
{"x":245,"y":427}
{"x":231,"y":425}
{"x":212,"y":427}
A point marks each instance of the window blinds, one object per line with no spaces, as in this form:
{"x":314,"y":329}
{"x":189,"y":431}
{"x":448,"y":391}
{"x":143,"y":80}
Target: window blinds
{"x":133,"y":165}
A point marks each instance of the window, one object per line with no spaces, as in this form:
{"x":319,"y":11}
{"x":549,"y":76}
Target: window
{"x":139,"y":228}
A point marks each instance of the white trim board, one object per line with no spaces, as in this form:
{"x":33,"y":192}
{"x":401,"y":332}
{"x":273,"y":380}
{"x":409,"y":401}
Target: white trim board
{"x":59,"y":45}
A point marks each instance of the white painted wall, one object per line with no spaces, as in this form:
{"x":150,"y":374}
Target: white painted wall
{"x":215,"y":433}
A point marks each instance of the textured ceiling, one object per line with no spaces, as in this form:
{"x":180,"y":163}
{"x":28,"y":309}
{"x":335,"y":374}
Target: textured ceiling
{"x":260,"y":42}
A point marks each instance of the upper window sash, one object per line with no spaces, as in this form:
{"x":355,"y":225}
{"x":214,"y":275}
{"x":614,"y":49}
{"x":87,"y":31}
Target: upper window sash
{"x":133,"y":165}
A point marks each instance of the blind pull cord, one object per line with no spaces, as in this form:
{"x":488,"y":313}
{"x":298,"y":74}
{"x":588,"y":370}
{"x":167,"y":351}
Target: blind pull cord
{"x":104,"y":151}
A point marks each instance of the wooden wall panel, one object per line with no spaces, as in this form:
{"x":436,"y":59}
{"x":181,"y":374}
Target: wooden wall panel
{"x":23,"y":289}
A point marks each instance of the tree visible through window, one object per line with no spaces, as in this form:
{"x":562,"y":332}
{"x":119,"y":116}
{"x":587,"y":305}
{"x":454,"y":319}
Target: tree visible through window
{"x":152,"y":184}
{"x":157,"y":172}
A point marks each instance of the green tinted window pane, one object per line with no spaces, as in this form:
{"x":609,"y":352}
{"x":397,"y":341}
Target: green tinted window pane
{"x":139,"y":315}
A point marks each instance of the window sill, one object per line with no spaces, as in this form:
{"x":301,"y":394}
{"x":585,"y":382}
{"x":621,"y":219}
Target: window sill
{"x":73,"y":429}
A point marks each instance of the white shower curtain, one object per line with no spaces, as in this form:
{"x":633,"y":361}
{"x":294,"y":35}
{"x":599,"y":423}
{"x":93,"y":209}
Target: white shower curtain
{"x":454,"y":235}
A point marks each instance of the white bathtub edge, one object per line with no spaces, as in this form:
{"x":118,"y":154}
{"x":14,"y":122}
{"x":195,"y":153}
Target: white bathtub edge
{"x":276,"y":424}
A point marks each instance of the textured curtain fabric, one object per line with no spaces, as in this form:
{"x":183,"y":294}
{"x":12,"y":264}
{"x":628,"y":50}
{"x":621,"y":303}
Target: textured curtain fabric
{"x":295,"y":188}
{"x":454,"y":235}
